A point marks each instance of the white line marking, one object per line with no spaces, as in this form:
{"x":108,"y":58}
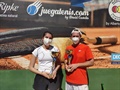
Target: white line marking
{"x":103,"y":57}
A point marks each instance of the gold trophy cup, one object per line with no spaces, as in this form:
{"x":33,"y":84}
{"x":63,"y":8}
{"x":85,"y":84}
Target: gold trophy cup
{"x":69,"y":52}
{"x":54,"y":56}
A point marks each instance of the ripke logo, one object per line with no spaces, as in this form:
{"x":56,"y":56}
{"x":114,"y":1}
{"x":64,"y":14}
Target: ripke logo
{"x":33,"y":8}
{"x":5,"y":7}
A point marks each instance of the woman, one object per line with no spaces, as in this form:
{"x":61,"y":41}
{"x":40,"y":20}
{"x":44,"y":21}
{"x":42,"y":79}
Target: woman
{"x":48,"y":75}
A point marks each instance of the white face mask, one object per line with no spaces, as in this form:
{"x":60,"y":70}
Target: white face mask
{"x":47,"y":41}
{"x":75,"y":40}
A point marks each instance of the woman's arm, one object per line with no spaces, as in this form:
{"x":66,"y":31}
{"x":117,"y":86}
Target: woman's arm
{"x":34,"y":70}
{"x":32,"y":64}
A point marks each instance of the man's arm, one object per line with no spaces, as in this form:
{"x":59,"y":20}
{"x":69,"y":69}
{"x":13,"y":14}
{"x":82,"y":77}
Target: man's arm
{"x":84,"y":64}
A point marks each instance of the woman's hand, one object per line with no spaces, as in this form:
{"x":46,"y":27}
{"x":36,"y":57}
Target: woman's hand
{"x":54,"y":74}
{"x":45,"y":74}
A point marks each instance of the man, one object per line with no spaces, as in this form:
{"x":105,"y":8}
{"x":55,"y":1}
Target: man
{"x":78,"y":57}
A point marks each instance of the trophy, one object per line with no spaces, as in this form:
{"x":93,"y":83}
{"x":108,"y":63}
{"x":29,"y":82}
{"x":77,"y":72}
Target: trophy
{"x":54,"y":56}
{"x":70,"y":56}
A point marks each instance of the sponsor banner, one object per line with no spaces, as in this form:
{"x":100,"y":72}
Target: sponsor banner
{"x":46,"y":14}
{"x":22,"y":23}
{"x":115,"y":58}
{"x":94,"y":14}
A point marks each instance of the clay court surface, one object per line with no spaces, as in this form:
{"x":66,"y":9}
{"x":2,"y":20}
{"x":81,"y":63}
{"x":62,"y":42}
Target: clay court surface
{"x":101,"y":52}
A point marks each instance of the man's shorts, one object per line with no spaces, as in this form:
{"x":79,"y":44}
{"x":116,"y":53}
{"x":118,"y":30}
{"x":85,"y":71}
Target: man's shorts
{"x":75,"y":87}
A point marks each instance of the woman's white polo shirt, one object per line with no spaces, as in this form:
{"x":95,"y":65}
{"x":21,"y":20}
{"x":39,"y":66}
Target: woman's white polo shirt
{"x":44,"y":58}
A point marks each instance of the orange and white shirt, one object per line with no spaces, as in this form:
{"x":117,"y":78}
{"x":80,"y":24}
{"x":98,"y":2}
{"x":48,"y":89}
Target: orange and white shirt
{"x":81,"y":53}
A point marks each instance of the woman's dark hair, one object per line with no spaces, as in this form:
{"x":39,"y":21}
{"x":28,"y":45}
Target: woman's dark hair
{"x":47,"y":32}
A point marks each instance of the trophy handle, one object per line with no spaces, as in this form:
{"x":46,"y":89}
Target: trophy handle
{"x":53,"y":67}
{"x":69,"y":59}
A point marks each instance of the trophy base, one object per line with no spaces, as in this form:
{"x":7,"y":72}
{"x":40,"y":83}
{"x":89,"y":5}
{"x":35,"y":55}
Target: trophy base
{"x":68,"y":69}
{"x":50,"y":76}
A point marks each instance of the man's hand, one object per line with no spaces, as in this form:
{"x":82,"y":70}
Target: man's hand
{"x":73,"y":67}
